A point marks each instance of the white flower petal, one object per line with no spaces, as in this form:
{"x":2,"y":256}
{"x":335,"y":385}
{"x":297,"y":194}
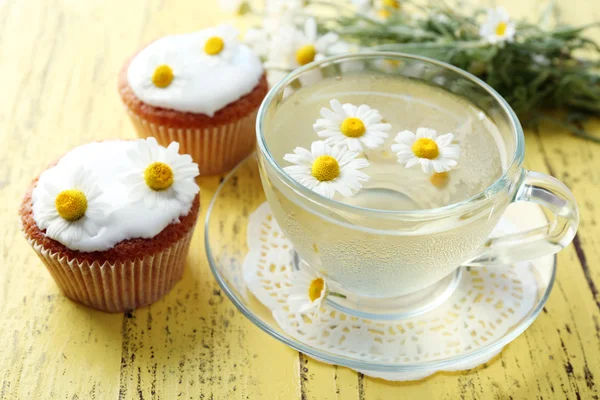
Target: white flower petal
{"x":310,"y":30}
{"x":412,"y":162}
{"x":337,"y":108}
{"x":354,"y":145}
{"x":350,"y":109}
{"x":444,"y":140}
{"x":406,"y":137}
{"x":426,"y":133}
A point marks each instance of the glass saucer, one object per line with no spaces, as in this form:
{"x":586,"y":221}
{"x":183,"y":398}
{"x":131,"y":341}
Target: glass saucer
{"x":250,"y":259}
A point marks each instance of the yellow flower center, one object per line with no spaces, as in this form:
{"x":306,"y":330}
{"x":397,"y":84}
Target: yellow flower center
{"x":353,"y":127}
{"x":316,"y":289}
{"x":71,"y":204}
{"x":158,"y":176}
{"x":392,"y":4}
{"x":439,"y":179}
{"x":426,"y":148}
{"x":163,"y":76}
{"x":501,"y":29}
{"x":214,"y":45}
{"x":306,"y":54}
{"x":383,"y":13}
{"x":325,"y":168}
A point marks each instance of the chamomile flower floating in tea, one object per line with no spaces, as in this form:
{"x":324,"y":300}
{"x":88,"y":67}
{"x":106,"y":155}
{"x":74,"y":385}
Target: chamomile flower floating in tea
{"x":434,"y":153}
{"x":306,"y":293}
{"x":160,"y":177}
{"x":217,"y":45}
{"x":327,"y":170}
{"x":497,"y":27}
{"x":70,"y":207}
{"x":351,"y":126}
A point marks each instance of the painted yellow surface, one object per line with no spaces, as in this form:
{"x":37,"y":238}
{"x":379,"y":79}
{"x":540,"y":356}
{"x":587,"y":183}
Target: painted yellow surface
{"x":58,"y":65}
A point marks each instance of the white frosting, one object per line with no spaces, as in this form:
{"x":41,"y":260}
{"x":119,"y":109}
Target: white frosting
{"x":108,"y":161}
{"x":203,"y":84}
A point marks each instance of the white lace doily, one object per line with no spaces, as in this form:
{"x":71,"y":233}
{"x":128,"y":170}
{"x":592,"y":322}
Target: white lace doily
{"x":486,"y":304}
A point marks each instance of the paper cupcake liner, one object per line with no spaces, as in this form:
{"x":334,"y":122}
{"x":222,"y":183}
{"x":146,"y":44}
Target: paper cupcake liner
{"x":117,"y":286}
{"x":216,"y":149}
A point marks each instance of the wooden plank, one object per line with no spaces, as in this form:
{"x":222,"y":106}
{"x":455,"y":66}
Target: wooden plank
{"x":195,"y":343}
{"x":58,"y":67}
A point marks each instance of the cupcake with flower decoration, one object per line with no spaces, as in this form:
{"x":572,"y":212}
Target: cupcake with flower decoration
{"x":112,"y":221}
{"x":201,"y":89}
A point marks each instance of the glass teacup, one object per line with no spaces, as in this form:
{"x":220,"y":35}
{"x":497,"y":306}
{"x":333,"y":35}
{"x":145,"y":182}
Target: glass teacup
{"x":384,"y":259}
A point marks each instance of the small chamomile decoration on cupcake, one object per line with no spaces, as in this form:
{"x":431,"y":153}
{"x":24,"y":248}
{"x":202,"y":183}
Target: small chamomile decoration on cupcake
{"x":218,"y":45}
{"x":425,"y":148}
{"x":70,"y":207}
{"x":161,"y":177}
{"x":354,"y":127}
{"x":327,"y":170}
{"x":164,"y":75}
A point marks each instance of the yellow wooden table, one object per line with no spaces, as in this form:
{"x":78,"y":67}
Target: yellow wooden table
{"x":58,"y":67}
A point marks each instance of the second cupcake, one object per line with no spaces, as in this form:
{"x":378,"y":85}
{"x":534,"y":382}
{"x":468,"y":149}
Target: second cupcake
{"x":202,"y":90}
{"x":112,"y":221}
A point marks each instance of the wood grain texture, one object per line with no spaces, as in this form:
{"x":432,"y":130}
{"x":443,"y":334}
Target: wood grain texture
{"x":59,"y":61}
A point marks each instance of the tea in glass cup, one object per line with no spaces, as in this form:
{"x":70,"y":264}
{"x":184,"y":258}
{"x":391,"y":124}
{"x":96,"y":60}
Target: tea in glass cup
{"x":387,"y":179}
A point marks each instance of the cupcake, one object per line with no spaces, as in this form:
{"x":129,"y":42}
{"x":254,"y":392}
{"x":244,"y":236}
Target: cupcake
{"x":202,"y":90}
{"x":112,"y":221}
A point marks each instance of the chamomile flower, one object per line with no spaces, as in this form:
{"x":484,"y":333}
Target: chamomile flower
{"x":292,"y":48}
{"x":161,"y":177}
{"x":306,"y":293}
{"x":351,"y":126}
{"x":164,"y":75}
{"x":217,"y":45}
{"x":69,"y":207}
{"x":327,"y":170}
{"x":497,"y":27}
{"x":434,"y":153}
{"x":384,"y":9}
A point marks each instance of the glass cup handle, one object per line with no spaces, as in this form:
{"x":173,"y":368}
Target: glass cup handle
{"x":550,"y":239}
